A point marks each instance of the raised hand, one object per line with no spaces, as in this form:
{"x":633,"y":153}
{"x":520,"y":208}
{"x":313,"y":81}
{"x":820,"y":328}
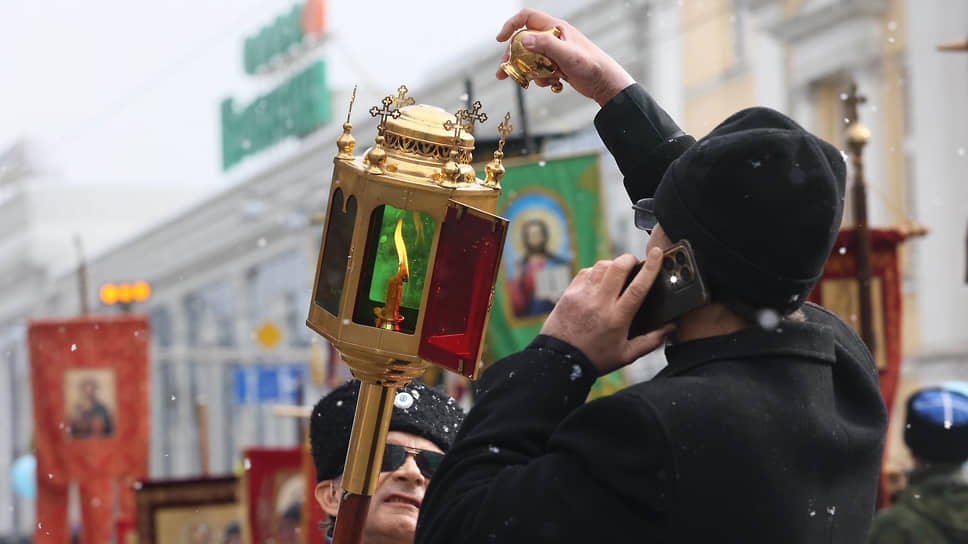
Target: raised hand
{"x":587,"y":68}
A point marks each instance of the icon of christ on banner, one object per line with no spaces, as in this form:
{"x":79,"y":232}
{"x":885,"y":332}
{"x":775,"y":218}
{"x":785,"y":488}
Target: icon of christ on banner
{"x":538,"y":266}
{"x":90,"y":401}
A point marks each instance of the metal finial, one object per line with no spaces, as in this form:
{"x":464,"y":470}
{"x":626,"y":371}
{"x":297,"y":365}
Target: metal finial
{"x":475,"y":115}
{"x":851,"y":101}
{"x":456,"y":124}
{"x":504,"y":129}
{"x":352,"y":100}
{"x":857,"y":133}
{"x":402,"y":99}
{"x":390,"y":108}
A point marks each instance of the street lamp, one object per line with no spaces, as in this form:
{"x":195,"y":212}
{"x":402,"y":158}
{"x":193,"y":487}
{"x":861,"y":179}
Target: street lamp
{"x":406,"y":270}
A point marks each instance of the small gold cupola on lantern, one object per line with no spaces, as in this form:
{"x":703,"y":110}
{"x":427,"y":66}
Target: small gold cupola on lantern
{"x":408,"y":260}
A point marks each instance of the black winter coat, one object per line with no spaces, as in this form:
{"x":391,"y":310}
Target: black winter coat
{"x":753,"y":437}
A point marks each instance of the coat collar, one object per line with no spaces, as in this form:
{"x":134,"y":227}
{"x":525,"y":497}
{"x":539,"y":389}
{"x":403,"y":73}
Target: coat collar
{"x":790,"y":339}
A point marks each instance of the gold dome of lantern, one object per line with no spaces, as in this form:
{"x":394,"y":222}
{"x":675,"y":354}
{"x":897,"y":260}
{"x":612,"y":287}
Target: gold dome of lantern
{"x":418,"y":145}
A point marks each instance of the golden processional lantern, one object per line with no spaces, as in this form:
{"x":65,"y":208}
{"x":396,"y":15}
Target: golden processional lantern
{"x":407,"y":267}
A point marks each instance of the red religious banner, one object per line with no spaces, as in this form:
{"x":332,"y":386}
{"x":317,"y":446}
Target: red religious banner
{"x":89,"y":380}
{"x":275,"y":490}
{"x":838,"y":292}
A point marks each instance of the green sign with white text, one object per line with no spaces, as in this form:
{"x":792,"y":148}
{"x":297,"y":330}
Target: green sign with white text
{"x":294,"y":108}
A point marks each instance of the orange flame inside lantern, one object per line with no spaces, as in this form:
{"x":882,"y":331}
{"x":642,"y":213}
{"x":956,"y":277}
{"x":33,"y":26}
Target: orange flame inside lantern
{"x":389,"y":316}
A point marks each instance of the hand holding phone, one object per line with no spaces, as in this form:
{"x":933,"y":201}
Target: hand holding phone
{"x":594,"y":312}
{"x":678,"y":289}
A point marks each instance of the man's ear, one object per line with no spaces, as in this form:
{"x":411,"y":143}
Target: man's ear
{"x":328,"y":494}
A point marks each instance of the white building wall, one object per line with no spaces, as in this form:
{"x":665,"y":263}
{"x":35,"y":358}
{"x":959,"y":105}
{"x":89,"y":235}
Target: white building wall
{"x":938,"y":87}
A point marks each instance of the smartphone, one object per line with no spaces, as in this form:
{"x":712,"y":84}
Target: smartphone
{"x":678,"y":289}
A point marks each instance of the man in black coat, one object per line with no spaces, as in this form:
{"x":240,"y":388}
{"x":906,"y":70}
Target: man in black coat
{"x":766,"y":426}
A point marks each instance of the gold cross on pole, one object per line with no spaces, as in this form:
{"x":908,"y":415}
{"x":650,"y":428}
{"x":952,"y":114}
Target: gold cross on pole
{"x":851,"y":101}
{"x":504,"y":129}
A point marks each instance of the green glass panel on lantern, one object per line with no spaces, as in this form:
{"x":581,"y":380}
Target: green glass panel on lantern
{"x":390,"y":296}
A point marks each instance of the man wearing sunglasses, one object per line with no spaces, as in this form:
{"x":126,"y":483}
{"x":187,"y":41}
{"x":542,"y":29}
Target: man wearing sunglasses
{"x":422,"y":427}
{"x":767,"y":426}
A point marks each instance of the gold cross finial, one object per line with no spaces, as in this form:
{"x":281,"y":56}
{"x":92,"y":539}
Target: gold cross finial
{"x":475,"y":115}
{"x":352,"y":100}
{"x":464,"y":120}
{"x":455,"y":124}
{"x":402,"y":99}
{"x":504,"y":129}
{"x":851,"y":100}
{"x":389,"y":109}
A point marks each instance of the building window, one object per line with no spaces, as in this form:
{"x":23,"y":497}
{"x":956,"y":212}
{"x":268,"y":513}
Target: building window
{"x":281,"y":289}
{"x":161,"y":327}
{"x":211,"y":316}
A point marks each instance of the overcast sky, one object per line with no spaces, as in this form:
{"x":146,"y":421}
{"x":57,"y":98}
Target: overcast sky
{"x":127,"y":91}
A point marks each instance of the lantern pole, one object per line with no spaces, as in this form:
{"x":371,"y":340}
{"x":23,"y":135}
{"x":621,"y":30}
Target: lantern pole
{"x":857,"y":137}
{"x":363,"y":460}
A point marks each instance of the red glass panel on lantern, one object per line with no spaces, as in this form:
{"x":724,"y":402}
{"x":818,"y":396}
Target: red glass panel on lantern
{"x":468,"y":256}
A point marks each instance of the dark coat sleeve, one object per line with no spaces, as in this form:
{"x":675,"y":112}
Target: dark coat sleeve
{"x":533,"y":463}
{"x":642,"y":137}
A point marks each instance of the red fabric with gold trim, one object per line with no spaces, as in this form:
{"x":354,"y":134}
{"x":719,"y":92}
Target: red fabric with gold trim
{"x":839,"y":284}
{"x":89,"y":380}
{"x":273,"y":484}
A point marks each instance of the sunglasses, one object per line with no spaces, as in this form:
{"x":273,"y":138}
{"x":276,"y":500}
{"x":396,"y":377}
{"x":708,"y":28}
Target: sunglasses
{"x":645,"y":215}
{"x":395,"y":455}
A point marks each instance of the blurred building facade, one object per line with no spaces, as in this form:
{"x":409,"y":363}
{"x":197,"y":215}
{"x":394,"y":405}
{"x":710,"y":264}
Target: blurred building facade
{"x":241,"y":262}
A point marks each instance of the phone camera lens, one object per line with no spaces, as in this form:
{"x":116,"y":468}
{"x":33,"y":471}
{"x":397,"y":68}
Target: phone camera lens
{"x":668,"y":264}
{"x":685,"y":275}
{"x":680,"y":258}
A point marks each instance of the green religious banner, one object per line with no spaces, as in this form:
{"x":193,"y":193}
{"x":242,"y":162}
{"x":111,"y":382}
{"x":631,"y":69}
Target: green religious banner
{"x":557,"y":227}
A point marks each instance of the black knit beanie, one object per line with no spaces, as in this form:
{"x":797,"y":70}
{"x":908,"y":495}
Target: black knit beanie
{"x":936,"y":428}
{"x":761,"y":201}
{"x":417,"y":409}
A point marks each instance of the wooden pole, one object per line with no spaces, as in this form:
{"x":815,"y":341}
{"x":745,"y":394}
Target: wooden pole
{"x":201,"y":413}
{"x":351,"y":519}
{"x":857,"y":137}
{"x":81,"y":276}
{"x":363,"y":460}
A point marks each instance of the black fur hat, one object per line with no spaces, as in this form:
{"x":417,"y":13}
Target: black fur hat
{"x":761,"y":200}
{"x":417,"y":409}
